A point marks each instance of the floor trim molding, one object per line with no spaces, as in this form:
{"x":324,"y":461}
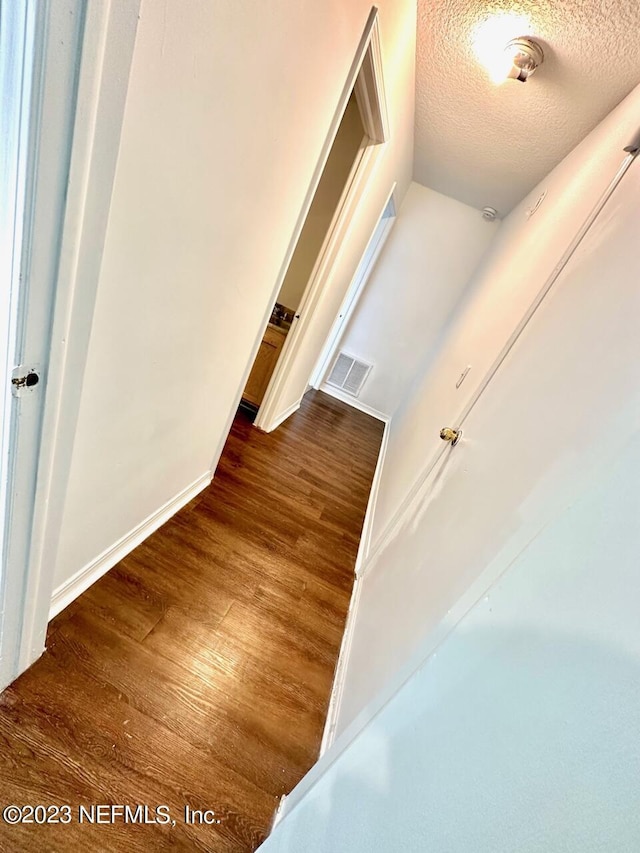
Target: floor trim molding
{"x":89,"y":574}
{"x":337,"y":687}
{"x":355,"y":402}
{"x":282,"y":418}
{"x":279,"y":813}
{"x":365,"y":539}
{"x":329,"y":733}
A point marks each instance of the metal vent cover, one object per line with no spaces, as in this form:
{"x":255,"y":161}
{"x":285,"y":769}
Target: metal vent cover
{"x":349,"y":374}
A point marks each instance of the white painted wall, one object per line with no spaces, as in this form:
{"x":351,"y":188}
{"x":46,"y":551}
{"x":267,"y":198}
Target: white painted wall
{"x":483,"y":503}
{"x":519,"y":260}
{"x":521,"y":733}
{"x":228,"y":110}
{"x":426,"y":264}
{"x":508,"y":720}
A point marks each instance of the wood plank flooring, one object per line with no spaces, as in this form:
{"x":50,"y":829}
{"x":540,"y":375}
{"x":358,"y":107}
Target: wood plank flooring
{"x":197,"y":671}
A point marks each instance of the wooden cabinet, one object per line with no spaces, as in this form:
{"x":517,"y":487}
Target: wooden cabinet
{"x":264,"y":365}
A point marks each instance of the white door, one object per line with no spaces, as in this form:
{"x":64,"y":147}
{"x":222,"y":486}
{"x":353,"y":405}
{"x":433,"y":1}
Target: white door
{"x":563,"y":405}
{"x":19,"y":415}
{"x":42,"y":74}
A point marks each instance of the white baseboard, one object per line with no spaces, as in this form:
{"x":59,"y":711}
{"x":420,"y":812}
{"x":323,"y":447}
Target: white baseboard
{"x":365,"y":540}
{"x":329,"y":733}
{"x":89,"y":574}
{"x":355,"y":402}
{"x":279,"y":813}
{"x":282,"y":418}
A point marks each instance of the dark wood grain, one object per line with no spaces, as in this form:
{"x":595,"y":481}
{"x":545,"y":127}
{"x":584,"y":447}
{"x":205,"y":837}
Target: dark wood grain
{"x":198,"y":670}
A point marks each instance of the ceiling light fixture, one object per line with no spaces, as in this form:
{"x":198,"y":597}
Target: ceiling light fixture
{"x":488,"y":40}
{"x":525,"y":55}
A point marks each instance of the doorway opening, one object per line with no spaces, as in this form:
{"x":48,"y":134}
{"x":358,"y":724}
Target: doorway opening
{"x":356,"y":288}
{"x":274,"y":389}
{"x":345,"y":154}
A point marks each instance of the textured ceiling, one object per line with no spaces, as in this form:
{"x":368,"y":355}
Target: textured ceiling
{"x":488,"y":144}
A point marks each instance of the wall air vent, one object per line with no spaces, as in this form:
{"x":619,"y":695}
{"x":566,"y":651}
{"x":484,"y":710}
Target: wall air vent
{"x":348,"y":374}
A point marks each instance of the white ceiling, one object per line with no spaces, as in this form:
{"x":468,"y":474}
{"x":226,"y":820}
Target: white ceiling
{"x":488,"y":144}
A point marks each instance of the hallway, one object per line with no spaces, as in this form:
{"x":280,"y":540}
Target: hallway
{"x":197,"y":671}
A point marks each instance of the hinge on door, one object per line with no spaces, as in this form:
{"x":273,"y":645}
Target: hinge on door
{"x":24,"y":379}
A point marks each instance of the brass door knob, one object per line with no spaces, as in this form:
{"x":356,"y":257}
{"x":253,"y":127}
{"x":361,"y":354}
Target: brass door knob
{"x":452,"y":435}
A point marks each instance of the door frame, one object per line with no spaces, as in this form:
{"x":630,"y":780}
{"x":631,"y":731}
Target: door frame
{"x":366,"y":79}
{"x":356,"y":289}
{"x":78,"y":56}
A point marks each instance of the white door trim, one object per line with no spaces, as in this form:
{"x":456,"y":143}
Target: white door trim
{"x":367,"y":72}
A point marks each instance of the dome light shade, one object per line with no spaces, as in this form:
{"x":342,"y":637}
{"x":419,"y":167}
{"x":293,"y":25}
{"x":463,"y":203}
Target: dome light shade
{"x":525,"y":56}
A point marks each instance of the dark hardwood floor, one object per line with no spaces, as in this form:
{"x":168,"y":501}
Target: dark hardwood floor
{"x":197,"y":671}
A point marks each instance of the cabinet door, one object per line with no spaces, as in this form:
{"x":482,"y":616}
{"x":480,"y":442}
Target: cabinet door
{"x":263,"y":367}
